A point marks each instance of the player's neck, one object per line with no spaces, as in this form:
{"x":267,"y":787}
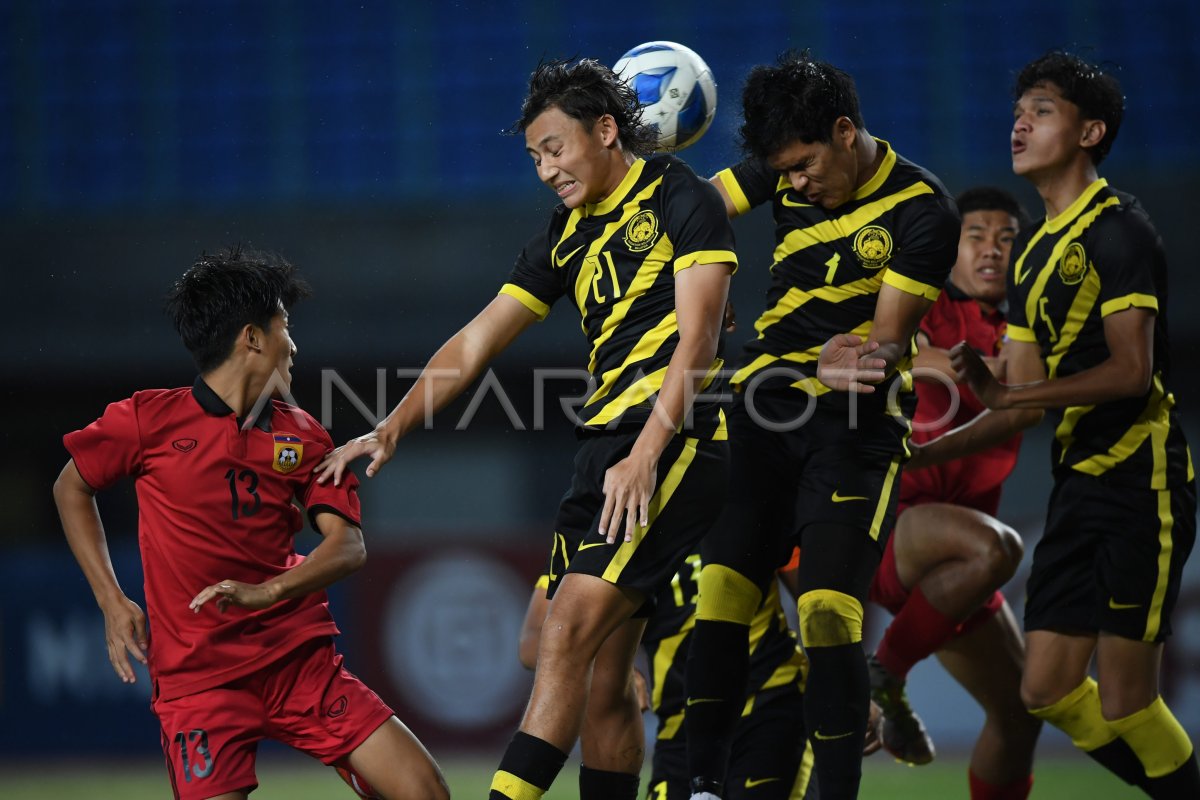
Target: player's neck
{"x":986,"y":308}
{"x":1059,"y":188}
{"x":619,"y":168}
{"x":869,"y":155}
{"x":238,"y":388}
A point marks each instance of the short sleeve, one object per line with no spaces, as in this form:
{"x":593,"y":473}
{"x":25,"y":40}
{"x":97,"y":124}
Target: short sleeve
{"x":110,"y":448}
{"x":749,"y":183}
{"x":1126,"y":251}
{"x":926,"y":247}
{"x":696,"y":221}
{"x":325,"y":497}
{"x":533,"y":281}
{"x":1018,"y":329}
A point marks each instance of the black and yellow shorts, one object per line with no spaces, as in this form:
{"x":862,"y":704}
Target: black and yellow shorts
{"x":765,"y":763}
{"x":690,"y":489}
{"x":1111,"y":558}
{"x":826,"y":470}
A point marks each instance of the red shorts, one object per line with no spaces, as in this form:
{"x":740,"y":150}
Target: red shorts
{"x":306,"y":699}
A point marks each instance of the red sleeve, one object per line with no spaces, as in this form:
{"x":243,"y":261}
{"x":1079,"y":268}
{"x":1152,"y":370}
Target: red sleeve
{"x":341,"y":500}
{"x":110,"y":448}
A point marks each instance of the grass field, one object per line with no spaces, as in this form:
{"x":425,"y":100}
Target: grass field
{"x":1066,"y":776}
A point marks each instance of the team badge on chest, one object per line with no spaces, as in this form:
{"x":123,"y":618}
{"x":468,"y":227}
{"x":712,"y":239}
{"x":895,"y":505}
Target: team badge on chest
{"x":642,"y":231}
{"x":873,"y":246}
{"x":1073,"y":264}
{"x":289,"y":450}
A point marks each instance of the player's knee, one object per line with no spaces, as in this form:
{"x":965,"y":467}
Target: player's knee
{"x":1038,"y":696}
{"x":726,"y":595}
{"x":828,"y":618}
{"x":999,"y":552}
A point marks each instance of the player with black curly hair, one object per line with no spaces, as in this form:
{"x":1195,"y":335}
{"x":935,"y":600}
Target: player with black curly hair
{"x":644,"y":250}
{"x":821,"y":417}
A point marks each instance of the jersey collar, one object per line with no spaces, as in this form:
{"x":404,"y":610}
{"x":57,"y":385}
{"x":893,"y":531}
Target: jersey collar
{"x":881,"y":174}
{"x":212,"y":403}
{"x":609,"y":203}
{"x":1076,"y":208}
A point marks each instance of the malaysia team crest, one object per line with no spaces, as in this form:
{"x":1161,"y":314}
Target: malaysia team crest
{"x":873,"y":246}
{"x":642,"y":231}
{"x":289,"y":450}
{"x":1073,"y":264}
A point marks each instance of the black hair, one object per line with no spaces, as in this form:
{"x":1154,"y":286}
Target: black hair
{"x":222,"y":293}
{"x":797,"y":98}
{"x":587,"y":90}
{"x":1097,"y":93}
{"x":990,"y":198}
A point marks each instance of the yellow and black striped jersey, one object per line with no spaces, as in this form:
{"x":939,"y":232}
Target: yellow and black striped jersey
{"x":1100,"y":256}
{"x":617,"y":260}
{"x":776,"y":663}
{"x":900,"y":228}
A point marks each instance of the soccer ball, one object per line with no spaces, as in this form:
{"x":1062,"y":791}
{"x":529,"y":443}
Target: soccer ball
{"x":676,"y":88}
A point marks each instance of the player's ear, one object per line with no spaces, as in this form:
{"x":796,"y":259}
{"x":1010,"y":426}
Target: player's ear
{"x":1093,"y":132}
{"x":606,"y":126}
{"x":844,"y":132}
{"x":251,"y":337}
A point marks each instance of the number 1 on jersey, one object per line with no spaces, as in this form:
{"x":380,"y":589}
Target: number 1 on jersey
{"x":832,"y":264}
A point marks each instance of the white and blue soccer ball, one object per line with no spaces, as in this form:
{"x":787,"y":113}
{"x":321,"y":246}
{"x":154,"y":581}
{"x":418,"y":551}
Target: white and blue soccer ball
{"x":676,"y":89}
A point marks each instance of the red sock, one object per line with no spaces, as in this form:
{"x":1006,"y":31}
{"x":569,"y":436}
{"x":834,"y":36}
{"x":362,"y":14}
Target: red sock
{"x":917,"y":632}
{"x":1017,"y":790}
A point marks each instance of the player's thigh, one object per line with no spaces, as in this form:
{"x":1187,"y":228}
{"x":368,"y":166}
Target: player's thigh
{"x":395,"y":763}
{"x":1060,"y":595}
{"x":988,"y":662}
{"x":1127,"y":672}
{"x":929,"y":535}
{"x":1056,"y":663}
{"x":210,"y":740}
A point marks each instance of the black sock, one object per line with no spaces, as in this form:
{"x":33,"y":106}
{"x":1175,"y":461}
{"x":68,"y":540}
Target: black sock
{"x":718,"y":667}
{"x":1182,"y":783}
{"x":599,"y":784}
{"x":836,"y":700}
{"x":1120,"y":760}
{"x":528,"y":764}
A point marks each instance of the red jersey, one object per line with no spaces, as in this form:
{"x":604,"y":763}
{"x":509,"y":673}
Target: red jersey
{"x":215,"y":501}
{"x":975,"y":480}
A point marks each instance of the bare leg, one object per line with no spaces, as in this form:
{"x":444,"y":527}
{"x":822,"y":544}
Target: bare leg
{"x":613,"y":737}
{"x":398,"y":766}
{"x":1055,"y":664}
{"x":988,"y":663}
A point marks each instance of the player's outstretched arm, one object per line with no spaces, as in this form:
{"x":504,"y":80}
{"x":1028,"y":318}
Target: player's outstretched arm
{"x":849,"y":364}
{"x":1127,"y":371}
{"x":453,"y":368}
{"x":340,"y":553}
{"x":701,"y":292}
{"x":124,"y":622}
{"x":1023,"y":364}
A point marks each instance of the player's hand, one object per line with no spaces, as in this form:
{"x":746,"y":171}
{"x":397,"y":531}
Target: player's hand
{"x":874,"y":739}
{"x":255,"y":596}
{"x":919,"y":458}
{"x":628,"y":487}
{"x":730,"y":317}
{"x":846,"y":365}
{"x":972,"y":370}
{"x":376,"y":444}
{"x":125,"y":633}
{"x":640,"y":690}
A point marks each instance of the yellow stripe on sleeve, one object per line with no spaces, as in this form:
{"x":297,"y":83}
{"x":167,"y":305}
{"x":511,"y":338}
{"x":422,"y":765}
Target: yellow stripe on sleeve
{"x":706,"y":257}
{"x":526,"y":299}
{"x":1134,"y":300}
{"x":907,"y":284}
{"x":732,"y":188}
{"x":1018,"y":334}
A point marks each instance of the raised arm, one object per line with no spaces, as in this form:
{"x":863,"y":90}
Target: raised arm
{"x":847,"y":363}
{"x":453,"y":368}
{"x":340,"y":553}
{"x":700,"y":294}
{"x":1127,"y":371}
{"x":124,"y":622}
{"x":1022,"y":362}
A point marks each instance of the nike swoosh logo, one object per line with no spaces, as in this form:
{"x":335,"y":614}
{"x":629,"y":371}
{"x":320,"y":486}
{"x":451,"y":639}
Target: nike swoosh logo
{"x":825,"y":738}
{"x":794,"y":204}
{"x":583,"y":547}
{"x":562,"y":262}
{"x":750,"y":784}
{"x":1115,"y":606}
{"x":838,"y":498}
{"x":695,"y":701}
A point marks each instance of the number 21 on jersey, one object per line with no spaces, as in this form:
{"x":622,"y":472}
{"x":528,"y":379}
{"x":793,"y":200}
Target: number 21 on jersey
{"x":593,"y":263}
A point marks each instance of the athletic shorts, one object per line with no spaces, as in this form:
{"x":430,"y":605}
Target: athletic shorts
{"x":823,"y":471}
{"x":691,"y":485}
{"x":1111,"y":558}
{"x":765,"y":763}
{"x":306,"y":699}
